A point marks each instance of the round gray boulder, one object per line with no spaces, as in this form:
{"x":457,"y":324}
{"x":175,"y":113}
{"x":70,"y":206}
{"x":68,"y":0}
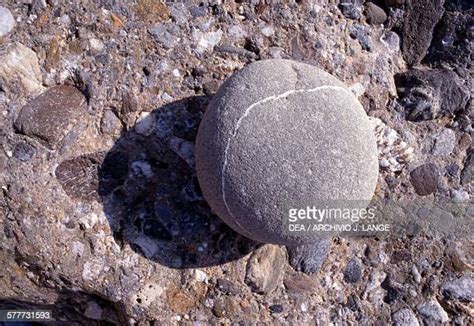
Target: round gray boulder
{"x":279,"y":133}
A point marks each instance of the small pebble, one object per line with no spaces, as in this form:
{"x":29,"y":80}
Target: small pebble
{"x":267,"y":31}
{"x":391,"y":40}
{"x":23,"y":152}
{"x":359,"y":32}
{"x":460,"y":196}
{"x":7,"y":22}
{"x":375,"y":14}
{"x":309,"y":258}
{"x":416,"y":274}
{"x":351,"y":8}
{"x":444,"y":143}
{"x":276,"y":308}
{"x":425,"y":179}
{"x":353,"y":272}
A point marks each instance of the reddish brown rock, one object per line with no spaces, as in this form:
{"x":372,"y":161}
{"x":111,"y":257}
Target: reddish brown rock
{"x":425,"y":179}
{"x":52,"y":115}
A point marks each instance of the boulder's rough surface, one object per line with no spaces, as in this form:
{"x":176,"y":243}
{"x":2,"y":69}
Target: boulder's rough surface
{"x":277,"y":133}
{"x":50,"y":116}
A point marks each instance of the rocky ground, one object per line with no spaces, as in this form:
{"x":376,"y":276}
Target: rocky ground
{"x":101,"y":214}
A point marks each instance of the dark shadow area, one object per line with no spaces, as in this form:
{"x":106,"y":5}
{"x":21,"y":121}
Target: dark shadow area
{"x":151,"y":195}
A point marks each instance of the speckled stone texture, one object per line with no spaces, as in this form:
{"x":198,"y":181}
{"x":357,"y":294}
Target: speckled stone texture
{"x":280,"y":132}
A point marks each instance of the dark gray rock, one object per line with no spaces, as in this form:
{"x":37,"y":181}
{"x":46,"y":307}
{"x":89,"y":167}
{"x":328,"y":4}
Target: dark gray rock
{"x":23,"y":151}
{"x":452,"y":40}
{"x":467,"y":174}
{"x":251,"y":164}
{"x":394,"y":3}
{"x":353,"y":271}
{"x":375,"y":15}
{"x":420,"y":20}
{"x":50,"y":116}
{"x":425,"y":179}
{"x":359,"y":32}
{"x":351,"y":8}
{"x":430,"y":94}
{"x":309,"y":258}
{"x":276,"y":308}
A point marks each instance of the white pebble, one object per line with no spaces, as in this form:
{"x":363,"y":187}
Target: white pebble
{"x":7,"y":22}
{"x":176,"y":73}
{"x":201,"y":276}
{"x":96,"y":44}
{"x":460,"y":196}
{"x":268,"y":31}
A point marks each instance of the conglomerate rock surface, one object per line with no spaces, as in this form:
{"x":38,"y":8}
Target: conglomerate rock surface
{"x":101,"y":215}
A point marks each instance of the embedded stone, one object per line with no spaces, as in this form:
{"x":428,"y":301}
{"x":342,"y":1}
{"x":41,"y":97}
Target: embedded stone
{"x":419,"y":22}
{"x":19,"y":68}
{"x":425,"y":179}
{"x":7,"y":21}
{"x":52,"y":115}
{"x":375,"y":14}
{"x":280,"y":132}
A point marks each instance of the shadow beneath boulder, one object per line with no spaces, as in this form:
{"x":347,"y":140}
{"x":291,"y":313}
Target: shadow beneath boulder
{"x":151,"y":196}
